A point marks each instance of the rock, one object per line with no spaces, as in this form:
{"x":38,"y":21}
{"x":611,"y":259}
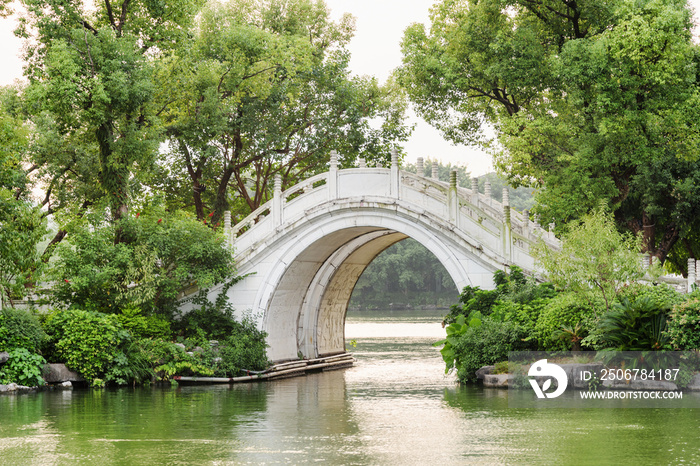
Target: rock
{"x":213,"y":343}
{"x":67,"y":385}
{"x":484,"y":371}
{"x":640,"y":385}
{"x":694,"y":383}
{"x":55,"y":373}
{"x":497,"y":380}
{"x":4,"y":356}
{"x":181,"y":345}
{"x":198,"y":349}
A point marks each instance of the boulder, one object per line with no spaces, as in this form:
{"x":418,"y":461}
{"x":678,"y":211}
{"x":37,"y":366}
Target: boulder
{"x":497,"y":380}
{"x":56,"y":373}
{"x":694,"y":383}
{"x":484,"y":371}
{"x":4,"y":356}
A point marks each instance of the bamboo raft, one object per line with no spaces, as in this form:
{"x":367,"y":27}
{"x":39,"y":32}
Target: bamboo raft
{"x":280,"y":371}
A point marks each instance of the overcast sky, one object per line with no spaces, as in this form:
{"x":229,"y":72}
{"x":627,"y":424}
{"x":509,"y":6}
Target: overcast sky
{"x":375,"y":51}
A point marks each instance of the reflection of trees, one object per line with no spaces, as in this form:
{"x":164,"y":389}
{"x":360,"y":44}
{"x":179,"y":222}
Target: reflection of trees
{"x":140,"y":426}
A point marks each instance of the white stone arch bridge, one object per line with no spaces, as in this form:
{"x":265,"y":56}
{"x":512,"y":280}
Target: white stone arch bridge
{"x":304,"y":250}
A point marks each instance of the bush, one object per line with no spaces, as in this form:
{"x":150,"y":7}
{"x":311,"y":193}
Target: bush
{"x":486,"y":344}
{"x":245,"y":349}
{"x":168,"y":359}
{"x":23,"y":368}
{"x":87,"y":342}
{"x":566,"y":310}
{"x":683,"y":328}
{"x":20,"y":329}
{"x":130,"y":365}
{"x":159,"y":255}
{"x":524,"y":314}
{"x":635,"y":326}
{"x":140,"y":326}
{"x":661,"y":295}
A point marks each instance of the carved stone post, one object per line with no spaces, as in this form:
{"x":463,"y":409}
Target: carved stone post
{"x":435,"y":170}
{"x":361,"y":162}
{"x":526,"y":221}
{"x":333,"y":177}
{"x":277,"y":204}
{"x":420,"y":169}
{"x":394,"y":174}
{"x":507,"y":230}
{"x":487,"y":192}
{"x":452,"y":199}
{"x":475,"y":191}
{"x":692,"y":274}
{"x":227,"y":227}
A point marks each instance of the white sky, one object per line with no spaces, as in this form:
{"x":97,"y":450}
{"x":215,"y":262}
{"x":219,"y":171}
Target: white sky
{"x":375,"y":51}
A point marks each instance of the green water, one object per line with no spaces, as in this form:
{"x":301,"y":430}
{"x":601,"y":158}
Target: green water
{"x":395,"y":406}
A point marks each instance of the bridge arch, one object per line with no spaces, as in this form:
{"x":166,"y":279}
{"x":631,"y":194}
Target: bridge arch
{"x":307,"y":290}
{"x":303,"y":252}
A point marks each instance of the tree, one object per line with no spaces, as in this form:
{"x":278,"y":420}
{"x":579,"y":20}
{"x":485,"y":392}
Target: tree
{"x":264,"y":89}
{"x":591,"y":101}
{"x":90,"y":68}
{"x":595,"y":260}
{"x":22,"y":226}
{"x":160,"y":256}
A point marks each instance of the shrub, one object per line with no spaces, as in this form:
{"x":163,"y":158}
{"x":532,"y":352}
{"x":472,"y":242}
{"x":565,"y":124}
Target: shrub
{"x":566,"y":310}
{"x":131,"y":364}
{"x":87,"y":342}
{"x":169,"y":359}
{"x":140,"y":326}
{"x":20,"y":329}
{"x":524,"y":314}
{"x":159,"y":254}
{"x":486,"y":344}
{"x":23,"y":368}
{"x":661,"y":295}
{"x":635,"y":326}
{"x":245,"y":349}
{"x":683,"y":329}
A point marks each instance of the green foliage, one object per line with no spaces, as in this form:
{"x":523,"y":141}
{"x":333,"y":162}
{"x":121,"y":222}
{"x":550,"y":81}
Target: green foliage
{"x":565,"y":310}
{"x":130,"y":365}
{"x":454,"y":331}
{"x":263,"y":89}
{"x":20,"y":329}
{"x":500,"y":368}
{"x":636,"y":326}
{"x":140,"y":326}
{"x":595,"y":261}
{"x":158,"y":256}
{"x":241,"y":345}
{"x":590,"y":101}
{"x":683,"y":328}
{"x":87,"y":342}
{"x":661,"y":295}
{"x":516,"y":296}
{"x":91,"y":94}
{"x":486,"y":344}
{"x":22,"y":225}
{"x":23,"y":368}
{"x":244,"y":350}
{"x":473,"y":299}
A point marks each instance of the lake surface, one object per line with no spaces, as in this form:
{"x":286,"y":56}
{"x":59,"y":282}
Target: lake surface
{"x":396,"y":406}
